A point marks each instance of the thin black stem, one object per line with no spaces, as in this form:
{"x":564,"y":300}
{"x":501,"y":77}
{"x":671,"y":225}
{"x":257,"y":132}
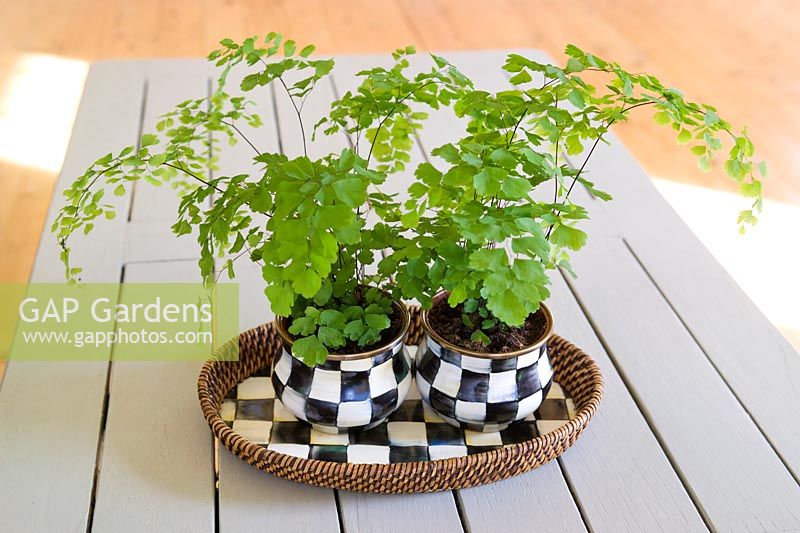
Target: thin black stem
{"x":555,"y":169}
{"x":249,"y":249}
{"x":63,"y":242}
{"x":242,"y":135}
{"x":524,"y":113}
{"x":514,"y":131}
{"x":298,"y":112}
{"x":193,"y":175}
{"x":390,"y":113}
{"x":589,"y":155}
{"x":91,"y":184}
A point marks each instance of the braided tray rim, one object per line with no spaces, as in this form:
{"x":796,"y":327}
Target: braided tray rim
{"x":577,"y":373}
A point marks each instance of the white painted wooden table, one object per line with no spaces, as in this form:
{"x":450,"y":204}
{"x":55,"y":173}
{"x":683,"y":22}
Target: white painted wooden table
{"x":699,"y":428}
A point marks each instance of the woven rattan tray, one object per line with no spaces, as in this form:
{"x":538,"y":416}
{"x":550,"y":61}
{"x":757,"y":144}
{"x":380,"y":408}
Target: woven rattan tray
{"x":238,"y":404}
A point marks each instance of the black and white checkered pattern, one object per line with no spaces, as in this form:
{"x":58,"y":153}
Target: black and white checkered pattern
{"x":412,"y":433}
{"x":338,"y":396}
{"x":478,"y":393}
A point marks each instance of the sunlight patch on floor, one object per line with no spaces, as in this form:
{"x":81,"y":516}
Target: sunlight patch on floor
{"x":38,"y":103}
{"x":765,"y":262}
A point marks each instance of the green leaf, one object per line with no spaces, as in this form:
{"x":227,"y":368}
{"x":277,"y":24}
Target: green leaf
{"x":531,"y":246}
{"x":333,"y":318}
{"x":520,"y":78}
{"x":410,"y":219}
{"x":335,"y":216}
{"x":331,"y":337}
{"x":280,"y":298}
{"x":323,"y":296}
{"x":350,"y":234}
{"x":573,"y":65}
{"x":751,"y":189}
{"x":576,"y":98}
{"x":428,"y":174}
{"x":515,"y":188}
{"x":698,"y":150}
{"x":310,"y":350}
{"x":457,"y":295}
{"x":351,"y":191}
{"x":480,"y":337}
{"x":571,"y":238}
{"x":448,"y":152}
{"x":307,"y":51}
{"x":488,"y":259}
{"x":504,"y":158}
{"x":574,"y":145}
{"x":489,"y":180}
{"x":684,"y":137}
{"x":303,"y":326}
{"x":289,"y":48}
{"x":148,"y":139}
{"x":377,"y":322}
{"x":662,"y":118}
{"x":354,"y":329}
{"x":249,"y":82}
{"x":307,"y":283}
{"x":467,"y":321}
{"x":261,"y":202}
{"x":508,"y":307}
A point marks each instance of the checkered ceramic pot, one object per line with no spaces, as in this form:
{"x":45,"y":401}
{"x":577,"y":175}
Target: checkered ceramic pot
{"x":347,"y":392}
{"x":482,"y":391}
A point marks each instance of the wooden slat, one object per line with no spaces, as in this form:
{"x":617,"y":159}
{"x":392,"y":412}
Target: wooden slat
{"x":169,"y":82}
{"x":399,"y":513}
{"x":50,"y":414}
{"x":250,"y":500}
{"x":756,"y":361}
{"x":539,"y":500}
{"x":140,"y":235}
{"x":735,"y":478}
{"x":117,"y":85}
{"x":156,"y":466}
{"x":154,"y":435}
{"x":605,"y":467}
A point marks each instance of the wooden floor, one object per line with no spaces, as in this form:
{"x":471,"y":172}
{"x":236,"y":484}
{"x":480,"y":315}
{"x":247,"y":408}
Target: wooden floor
{"x":738,"y":54}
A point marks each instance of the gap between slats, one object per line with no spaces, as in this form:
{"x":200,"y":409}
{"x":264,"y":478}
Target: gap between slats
{"x":635,"y":396}
{"x":107,"y":393}
{"x":710,"y":360}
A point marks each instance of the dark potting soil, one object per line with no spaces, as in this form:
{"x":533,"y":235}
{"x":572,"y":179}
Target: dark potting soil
{"x":447,"y":322}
